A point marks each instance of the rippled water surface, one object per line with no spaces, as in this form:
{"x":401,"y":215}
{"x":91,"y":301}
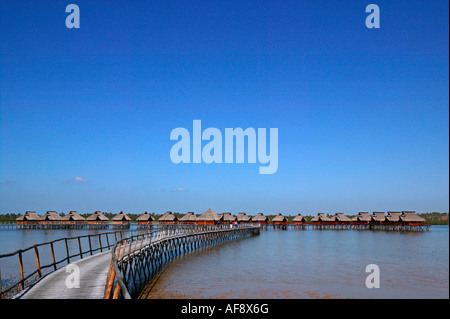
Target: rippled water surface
{"x":312,"y":264}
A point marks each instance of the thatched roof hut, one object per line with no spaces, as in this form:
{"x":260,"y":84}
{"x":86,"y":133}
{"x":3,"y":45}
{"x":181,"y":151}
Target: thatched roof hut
{"x":51,"y":216}
{"x":341,"y":218}
{"x":209,"y":217}
{"x":362,"y":217}
{"x":189,"y":218}
{"x":121,"y":217}
{"x":322,"y":218}
{"x":412,"y":218}
{"x":227,"y":218}
{"x":97,"y":217}
{"x":168,"y":218}
{"x":29,"y":217}
{"x":299,"y":219}
{"x":260,"y":218}
{"x":378,"y":217}
{"x":393,"y":217}
{"x":73,"y":216}
{"x":242,"y":218}
{"x":279,"y":219}
{"x":145,"y":217}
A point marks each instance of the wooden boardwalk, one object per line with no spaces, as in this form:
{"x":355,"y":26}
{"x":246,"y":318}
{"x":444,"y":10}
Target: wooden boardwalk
{"x":93,"y":272}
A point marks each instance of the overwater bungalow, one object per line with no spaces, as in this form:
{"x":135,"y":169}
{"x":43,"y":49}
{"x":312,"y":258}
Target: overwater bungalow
{"x":260,"y":219}
{"x":145,"y":220}
{"x":227,"y":218}
{"x":209,"y":217}
{"x":393,"y":218}
{"x":411,"y":219}
{"x":29,"y":220}
{"x":279,"y":220}
{"x":97,"y":220}
{"x":188,"y":219}
{"x":341,"y":219}
{"x":168,"y":219}
{"x":121,"y":220}
{"x":321,"y":218}
{"x":242,"y":218}
{"x":363,"y":218}
{"x":299,"y":220}
{"x":378,"y":218}
{"x":73,"y":220}
{"x":51,"y":217}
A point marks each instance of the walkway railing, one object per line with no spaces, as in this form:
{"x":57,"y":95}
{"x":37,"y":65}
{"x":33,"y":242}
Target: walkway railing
{"x":136,"y":260}
{"x":71,"y":248}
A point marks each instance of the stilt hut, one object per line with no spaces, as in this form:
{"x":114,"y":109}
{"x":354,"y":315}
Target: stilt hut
{"x":242,"y":218}
{"x":393,"y":218}
{"x":28,"y":220}
{"x":227,"y":218}
{"x":121,"y":220}
{"x":411,"y":219}
{"x":260,"y":219}
{"x":341,"y":219}
{"x":322,"y":219}
{"x":363,"y":218}
{"x":378,"y":218}
{"x":209,"y":217}
{"x":279,"y":220}
{"x":188,"y":219}
{"x":299,"y":220}
{"x":145,"y":220}
{"x":73,"y":220}
{"x":51,"y":219}
{"x":97,"y":220}
{"x":168,"y":219}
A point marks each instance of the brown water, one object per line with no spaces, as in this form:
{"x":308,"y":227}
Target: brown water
{"x":312,"y":264}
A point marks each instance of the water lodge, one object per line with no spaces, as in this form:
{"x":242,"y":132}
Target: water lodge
{"x":400,"y":221}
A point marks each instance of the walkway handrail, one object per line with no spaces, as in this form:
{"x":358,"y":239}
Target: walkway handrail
{"x":24,"y":283}
{"x":115,"y":283}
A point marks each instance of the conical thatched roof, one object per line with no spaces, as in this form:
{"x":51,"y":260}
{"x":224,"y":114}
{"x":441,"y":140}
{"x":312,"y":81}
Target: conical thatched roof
{"x":208,"y":216}
{"x":145,"y":217}
{"x":260,"y":218}
{"x":168,"y":217}
{"x":29,"y":216}
{"x":121,"y":217}
{"x":323,"y":218}
{"x":411,"y":217}
{"x":51,"y":216}
{"x":189,"y":217}
{"x":242,"y":217}
{"x":97,"y":216}
{"x":73,"y":216}
{"x":279,"y":218}
{"x":299,"y":218}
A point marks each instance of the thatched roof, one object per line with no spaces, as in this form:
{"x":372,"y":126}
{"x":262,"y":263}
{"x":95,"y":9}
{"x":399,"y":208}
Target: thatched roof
{"x":242,"y":217}
{"x":411,"y":217}
{"x":393,"y":216}
{"x":29,"y":216}
{"x":121,"y":217}
{"x":260,"y":218}
{"x":323,"y":218}
{"x":189,"y":217}
{"x":209,"y":215}
{"x":168,"y":217}
{"x":279,"y":218}
{"x":227,"y":217}
{"x":145,"y":217}
{"x":378,"y":216}
{"x":340,"y":217}
{"x":362,"y":217}
{"x":73,"y":216}
{"x":97,"y":216}
{"x":299,"y":218}
{"x":51,"y":216}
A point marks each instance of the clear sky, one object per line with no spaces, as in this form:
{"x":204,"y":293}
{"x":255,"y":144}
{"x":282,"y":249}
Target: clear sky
{"x":362,"y":114}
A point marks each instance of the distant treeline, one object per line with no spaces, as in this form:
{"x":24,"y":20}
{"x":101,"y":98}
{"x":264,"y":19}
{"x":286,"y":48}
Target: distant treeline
{"x":432,"y":218}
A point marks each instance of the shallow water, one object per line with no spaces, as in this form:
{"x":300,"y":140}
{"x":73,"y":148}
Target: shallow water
{"x":312,"y":264}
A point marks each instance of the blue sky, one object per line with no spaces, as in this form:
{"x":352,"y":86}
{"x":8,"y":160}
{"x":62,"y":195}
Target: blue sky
{"x":86,"y":114}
